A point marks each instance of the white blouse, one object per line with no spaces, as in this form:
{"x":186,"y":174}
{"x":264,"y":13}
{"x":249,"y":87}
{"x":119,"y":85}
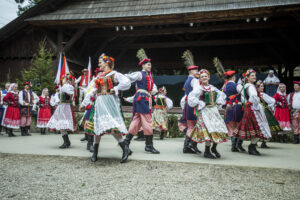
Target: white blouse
{"x":296,"y":100}
{"x":168,"y":101}
{"x":194,"y":96}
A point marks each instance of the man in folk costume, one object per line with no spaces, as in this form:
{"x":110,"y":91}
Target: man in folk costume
{"x":233,"y":113}
{"x":83,"y":83}
{"x":63,"y":118}
{"x":271,"y":83}
{"x":3,"y":106}
{"x":27,"y":100}
{"x":160,"y":116}
{"x":294,"y":104}
{"x":44,"y":112}
{"x":142,"y":103}
{"x":282,"y":112}
{"x":188,"y":120}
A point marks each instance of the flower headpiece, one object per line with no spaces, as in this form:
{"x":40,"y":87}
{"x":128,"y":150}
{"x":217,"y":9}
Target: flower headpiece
{"x":259,"y":83}
{"x":106,"y":58}
{"x":162,"y":89}
{"x":204,"y":71}
{"x":248,"y":72}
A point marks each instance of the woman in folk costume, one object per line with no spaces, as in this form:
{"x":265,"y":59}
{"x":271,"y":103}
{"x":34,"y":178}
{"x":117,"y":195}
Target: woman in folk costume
{"x":160,"y":116}
{"x":107,"y":115}
{"x":234,"y":111}
{"x":12,"y":115}
{"x":282,"y":112}
{"x":3,"y":106}
{"x":210,"y":127}
{"x":294,"y":104}
{"x":268,"y":104}
{"x":188,"y":119}
{"x":271,"y":83}
{"x":44,"y":112}
{"x":63,"y":119}
{"x":254,"y":124}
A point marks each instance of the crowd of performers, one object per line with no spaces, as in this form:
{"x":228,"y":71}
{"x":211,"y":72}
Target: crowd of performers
{"x":250,"y":114}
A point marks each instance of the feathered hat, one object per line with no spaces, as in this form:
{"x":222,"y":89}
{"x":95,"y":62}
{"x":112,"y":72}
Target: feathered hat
{"x":219,"y":67}
{"x":141,"y":55}
{"x":188,"y":60}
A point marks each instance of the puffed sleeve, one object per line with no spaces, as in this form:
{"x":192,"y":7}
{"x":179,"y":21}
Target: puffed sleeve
{"x":169,"y":103}
{"x":182,"y":102}
{"x":269,"y":100}
{"x":67,"y":88}
{"x":154,"y":90}
{"x":195,"y":83}
{"x":7,"y":97}
{"x":87,"y":99}
{"x":253,"y":98}
{"x":21,"y":102}
{"x":123,"y":83}
{"x":193,"y":98}
{"x":36,"y":99}
{"x":288,"y":99}
{"x":129,"y":99}
{"x":135,"y":76}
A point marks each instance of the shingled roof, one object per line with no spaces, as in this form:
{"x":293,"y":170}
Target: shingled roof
{"x":101,"y":9}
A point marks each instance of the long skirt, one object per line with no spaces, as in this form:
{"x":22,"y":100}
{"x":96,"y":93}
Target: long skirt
{"x":63,"y":119}
{"x":248,"y":128}
{"x":273,"y":123}
{"x":283,"y":117}
{"x":12,"y":117}
{"x":210,"y":127}
{"x":108,"y":116}
{"x":160,"y":120}
{"x":44,"y":116}
{"x":89,"y":129}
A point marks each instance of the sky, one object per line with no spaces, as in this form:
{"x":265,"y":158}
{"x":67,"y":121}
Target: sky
{"x":8,"y":11}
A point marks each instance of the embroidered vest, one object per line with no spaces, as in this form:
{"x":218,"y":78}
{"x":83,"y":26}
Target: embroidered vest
{"x":65,"y":98}
{"x":209,"y":98}
{"x":105,"y":84}
{"x":85,"y":79}
{"x":25,"y":97}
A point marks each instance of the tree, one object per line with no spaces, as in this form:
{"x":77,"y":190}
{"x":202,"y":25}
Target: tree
{"x":22,"y":9}
{"x":40,"y":73}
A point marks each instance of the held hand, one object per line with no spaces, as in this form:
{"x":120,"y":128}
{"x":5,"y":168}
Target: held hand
{"x":112,"y":91}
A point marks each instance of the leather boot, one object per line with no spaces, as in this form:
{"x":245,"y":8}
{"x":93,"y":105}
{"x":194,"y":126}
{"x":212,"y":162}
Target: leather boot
{"x":41,"y":131}
{"x":10,"y":133}
{"x":149,"y":145}
{"x":23,"y":133}
{"x":6,"y":130}
{"x":95,"y":153}
{"x":252,"y":150}
{"x":64,"y":145}
{"x":92,"y":142}
{"x":186,"y":149}
{"x":234,"y":144}
{"x":264,"y":145}
{"x":281,"y":139}
{"x":45,"y":131}
{"x":84,"y":138}
{"x":240,"y":145}
{"x":68,"y":140}
{"x":27,"y":130}
{"x":124,"y":156}
{"x":285,"y":138}
{"x":1,"y":130}
{"x":214,"y":150}
{"x":89,"y":142}
{"x":297,"y":139}
{"x":140,"y":136}
{"x":207,"y":153}
{"x":162,"y":133}
{"x":193,"y":146}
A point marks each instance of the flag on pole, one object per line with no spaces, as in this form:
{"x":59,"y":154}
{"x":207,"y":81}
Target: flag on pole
{"x":62,"y":69}
{"x":89,"y":72}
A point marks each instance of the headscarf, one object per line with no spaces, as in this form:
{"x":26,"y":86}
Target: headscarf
{"x":43,"y":92}
{"x":11,"y":87}
{"x":278,"y":90}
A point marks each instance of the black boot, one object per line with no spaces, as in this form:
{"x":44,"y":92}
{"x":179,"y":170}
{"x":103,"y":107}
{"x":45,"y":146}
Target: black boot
{"x":162,"y":133}
{"x":124,"y":156}
{"x":23,"y":133}
{"x":92,"y":142}
{"x":45,"y":131}
{"x":285,"y":138}
{"x":41,"y":131}
{"x":207,"y":153}
{"x":95,"y":153}
{"x":297,"y":139}
{"x":68,"y":141}
{"x":126,"y":151}
{"x":264,"y":145}
{"x":193,"y":146}
{"x":149,"y":145}
{"x":240,"y":145}
{"x":140,"y":136}
{"x":186,"y":149}
{"x":64,"y":145}
{"x":1,"y":130}
{"x":10,"y":133}
{"x":6,"y":130}
{"x":89,"y":142}
{"x":252,"y":150}
{"x":281,"y":139}
{"x":84,"y":138}
{"x":214,"y":150}
{"x":234,"y":144}
{"x":27,"y":130}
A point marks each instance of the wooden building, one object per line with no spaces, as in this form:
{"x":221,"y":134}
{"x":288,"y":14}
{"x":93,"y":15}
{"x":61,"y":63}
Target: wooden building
{"x":242,"y":33}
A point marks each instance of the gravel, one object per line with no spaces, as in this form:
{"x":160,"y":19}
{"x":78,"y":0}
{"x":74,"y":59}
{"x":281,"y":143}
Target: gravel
{"x":58,"y":177}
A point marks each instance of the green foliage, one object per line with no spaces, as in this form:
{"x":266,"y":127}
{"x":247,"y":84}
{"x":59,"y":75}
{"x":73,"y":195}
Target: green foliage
{"x":40,"y":73}
{"x":173,"y":127}
{"x":22,"y":9}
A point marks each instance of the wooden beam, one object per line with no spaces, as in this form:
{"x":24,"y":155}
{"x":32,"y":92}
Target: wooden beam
{"x":75,"y":37}
{"x":104,"y":44}
{"x":52,"y":43}
{"x":223,"y":42}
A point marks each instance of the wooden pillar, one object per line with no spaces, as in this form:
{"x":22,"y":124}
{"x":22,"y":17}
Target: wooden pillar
{"x":291,"y":72}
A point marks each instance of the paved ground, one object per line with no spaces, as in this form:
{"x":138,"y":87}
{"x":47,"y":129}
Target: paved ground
{"x":284,"y":156}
